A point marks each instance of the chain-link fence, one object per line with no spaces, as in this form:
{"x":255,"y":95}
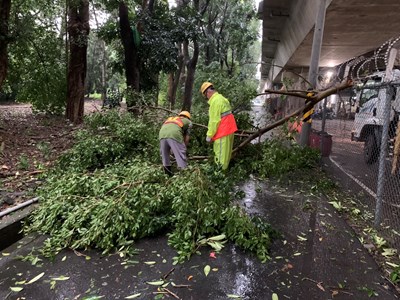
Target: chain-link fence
{"x":365,"y":130}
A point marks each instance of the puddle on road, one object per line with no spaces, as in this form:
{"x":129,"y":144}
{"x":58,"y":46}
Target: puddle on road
{"x":276,"y":206}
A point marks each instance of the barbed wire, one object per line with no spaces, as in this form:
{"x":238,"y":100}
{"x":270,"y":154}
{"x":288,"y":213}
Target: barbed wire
{"x":360,"y":66}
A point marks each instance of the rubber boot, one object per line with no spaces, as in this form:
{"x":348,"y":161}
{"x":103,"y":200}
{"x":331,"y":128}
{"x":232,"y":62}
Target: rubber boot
{"x":168,"y":170}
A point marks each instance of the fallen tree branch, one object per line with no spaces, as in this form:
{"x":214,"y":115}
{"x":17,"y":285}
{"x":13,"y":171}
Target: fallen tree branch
{"x":198,"y":157}
{"x":310,"y":101}
{"x":179,"y":286}
{"x":242,"y":133}
{"x":309,"y":104}
{"x":166,"y":110}
{"x":168,"y":273}
{"x":171,"y":293}
{"x":302,"y":94}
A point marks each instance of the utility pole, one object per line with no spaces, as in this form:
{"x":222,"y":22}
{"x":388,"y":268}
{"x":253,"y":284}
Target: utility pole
{"x":314,"y":64}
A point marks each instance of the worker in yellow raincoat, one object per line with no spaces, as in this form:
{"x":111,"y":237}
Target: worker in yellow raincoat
{"x":221,"y":124}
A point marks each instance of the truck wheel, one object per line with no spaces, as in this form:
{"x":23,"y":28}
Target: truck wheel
{"x":371,"y":150}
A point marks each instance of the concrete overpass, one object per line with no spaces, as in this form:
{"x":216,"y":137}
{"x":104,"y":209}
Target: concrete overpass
{"x":352,"y":28}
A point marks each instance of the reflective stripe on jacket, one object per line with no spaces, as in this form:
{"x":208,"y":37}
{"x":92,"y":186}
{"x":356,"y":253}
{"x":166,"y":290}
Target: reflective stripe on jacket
{"x":171,"y":129}
{"x":174,"y":120}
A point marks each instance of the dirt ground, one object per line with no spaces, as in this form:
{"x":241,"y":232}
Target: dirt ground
{"x":28,"y":144}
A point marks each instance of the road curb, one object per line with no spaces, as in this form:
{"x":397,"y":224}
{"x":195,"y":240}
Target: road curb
{"x":11,"y":225}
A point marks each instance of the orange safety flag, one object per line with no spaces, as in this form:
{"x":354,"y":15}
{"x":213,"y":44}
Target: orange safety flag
{"x":226,"y":127}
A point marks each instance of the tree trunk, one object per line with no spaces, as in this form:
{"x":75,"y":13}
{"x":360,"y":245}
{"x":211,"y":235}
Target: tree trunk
{"x":78,"y":30}
{"x":132,"y":72}
{"x":5,"y":7}
{"x":173,"y":80}
{"x":210,"y":47}
{"x":192,"y":63}
{"x":103,"y":72}
{"x":191,"y":70}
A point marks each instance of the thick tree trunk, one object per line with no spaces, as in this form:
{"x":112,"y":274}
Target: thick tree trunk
{"x":5,"y":7}
{"x":132,"y":72}
{"x":78,"y":30}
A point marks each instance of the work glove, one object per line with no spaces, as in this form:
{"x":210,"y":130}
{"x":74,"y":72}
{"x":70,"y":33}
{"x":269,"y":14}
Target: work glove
{"x":208,"y":139}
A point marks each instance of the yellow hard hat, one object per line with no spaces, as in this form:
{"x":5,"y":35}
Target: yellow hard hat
{"x":185,"y":114}
{"x":205,"y":86}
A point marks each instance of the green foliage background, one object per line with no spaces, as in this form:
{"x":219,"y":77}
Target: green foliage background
{"x":37,"y":68}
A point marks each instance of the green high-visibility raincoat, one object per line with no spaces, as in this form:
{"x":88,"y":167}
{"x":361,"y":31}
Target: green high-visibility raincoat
{"x":221,"y":128}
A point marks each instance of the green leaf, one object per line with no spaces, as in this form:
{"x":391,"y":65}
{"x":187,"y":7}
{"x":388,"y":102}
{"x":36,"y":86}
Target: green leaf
{"x":207,"y":270}
{"x":160,"y":282}
{"x":336,"y":205}
{"x":16,"y":289}
{"x":149,"y":262}
{"x":35,"y":278}
{"x":392,"y":264}
{"x":275,"y":296}
{"x":53,"y":284}
{"x":301,"y":239}
{"x":389,"y":252}
{"x":60,"y":278}
{"x":133,"y":296}
{"x":215,"y":245}
{"x":218,"y":237}
{"x":233,"y":296}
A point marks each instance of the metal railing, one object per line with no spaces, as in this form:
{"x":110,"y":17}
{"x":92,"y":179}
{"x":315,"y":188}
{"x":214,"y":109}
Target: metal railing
{"x":364,"y":147}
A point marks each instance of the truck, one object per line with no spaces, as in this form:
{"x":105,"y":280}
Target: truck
{"x":369,"y":99}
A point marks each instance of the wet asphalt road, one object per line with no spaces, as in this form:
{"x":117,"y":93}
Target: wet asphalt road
{"x":318,"y":257}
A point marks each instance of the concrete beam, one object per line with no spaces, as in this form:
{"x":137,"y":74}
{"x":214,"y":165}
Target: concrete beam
{"x":302,"y":21}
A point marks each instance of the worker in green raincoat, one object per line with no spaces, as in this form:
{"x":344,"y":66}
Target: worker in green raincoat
{"x":221,"y":124}
{"x":174,"y":137}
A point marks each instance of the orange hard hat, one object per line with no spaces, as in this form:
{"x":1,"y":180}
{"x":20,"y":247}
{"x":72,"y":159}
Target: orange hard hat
{"x":185,"y":113}
{"x":205,"y":86}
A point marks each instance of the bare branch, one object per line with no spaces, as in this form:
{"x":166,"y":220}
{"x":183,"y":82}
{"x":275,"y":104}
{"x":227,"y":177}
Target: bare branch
{"x":286,"y":93}
{"x":309,"y":104}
